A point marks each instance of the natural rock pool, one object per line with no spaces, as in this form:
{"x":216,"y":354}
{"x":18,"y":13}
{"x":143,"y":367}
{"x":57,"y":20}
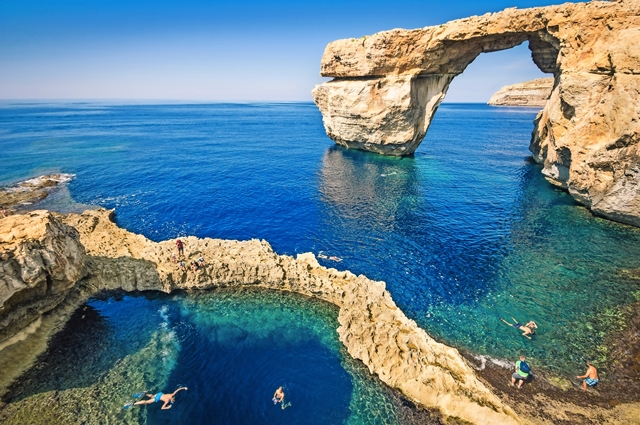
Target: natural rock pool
{"x":464,"y":233}
{"x":231,"y":348}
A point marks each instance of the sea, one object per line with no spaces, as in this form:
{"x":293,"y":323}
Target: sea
{"x":465,"y":232}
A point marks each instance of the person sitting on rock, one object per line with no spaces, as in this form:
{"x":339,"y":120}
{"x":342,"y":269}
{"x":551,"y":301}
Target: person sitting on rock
{"x":201,"y":261}
{"x":194,"y":266}
{"x":521,"y":373}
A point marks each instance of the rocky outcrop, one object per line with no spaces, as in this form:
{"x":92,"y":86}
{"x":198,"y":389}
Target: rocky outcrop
{"x":387,"y":87}
{"x":29,"y":191}
{"x":530,"y":93}
{"x":41,"y":258}
{"x":372,"y":327}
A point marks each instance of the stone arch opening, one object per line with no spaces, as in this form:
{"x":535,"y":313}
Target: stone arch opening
{"x":388,"y":105}
{"x":386,"y":88}
{"x":488,"y":74}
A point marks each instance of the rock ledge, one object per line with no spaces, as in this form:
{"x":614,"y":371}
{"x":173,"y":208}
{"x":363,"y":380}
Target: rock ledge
{"x":70,"y":258}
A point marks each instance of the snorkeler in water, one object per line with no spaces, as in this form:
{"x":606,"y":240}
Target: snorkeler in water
{"x":167,"y":399}
{"x":527,"y":329}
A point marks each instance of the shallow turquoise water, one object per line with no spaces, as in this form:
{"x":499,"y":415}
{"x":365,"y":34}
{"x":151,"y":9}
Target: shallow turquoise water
{"x":231,"y":348}
{"x":465,"y":232}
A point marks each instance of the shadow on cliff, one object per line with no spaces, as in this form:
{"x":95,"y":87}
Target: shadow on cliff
{"x":76,"y":357}
{"x":88,"y":346}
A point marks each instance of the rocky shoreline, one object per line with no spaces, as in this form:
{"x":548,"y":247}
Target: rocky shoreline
{"x":22,"y":195}
{"x":53,"y":263}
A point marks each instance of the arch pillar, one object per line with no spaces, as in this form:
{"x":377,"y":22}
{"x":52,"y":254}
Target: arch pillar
{"x":388,"y":115}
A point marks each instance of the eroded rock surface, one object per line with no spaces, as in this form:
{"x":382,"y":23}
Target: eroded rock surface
{"x":372,"y":327}
{"x":30,"y":191}
{"x":41,"y":258}
{"x":387,"y":87}
{"x":530,"y":93}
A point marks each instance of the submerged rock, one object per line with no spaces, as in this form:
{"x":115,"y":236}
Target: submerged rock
{"x":387,"y":87}
{"x":530,"y":93}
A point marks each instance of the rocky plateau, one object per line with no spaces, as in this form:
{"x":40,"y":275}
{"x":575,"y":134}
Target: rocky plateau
{"x":534,"y":93}
{"x":52,"y":263}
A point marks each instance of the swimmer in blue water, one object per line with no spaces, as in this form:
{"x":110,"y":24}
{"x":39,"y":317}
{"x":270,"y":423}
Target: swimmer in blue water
{"x":166,"y":399}
{"x":278,"y":396}
{"x":528,"y":329}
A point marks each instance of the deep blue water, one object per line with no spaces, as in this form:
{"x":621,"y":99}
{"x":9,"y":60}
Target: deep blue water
{"x":465,"y":232}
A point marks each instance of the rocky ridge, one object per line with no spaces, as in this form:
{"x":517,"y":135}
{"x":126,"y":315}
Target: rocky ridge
{"x":530,"y":93}
{"x":78,"y":256}
{"x":386,"y":88}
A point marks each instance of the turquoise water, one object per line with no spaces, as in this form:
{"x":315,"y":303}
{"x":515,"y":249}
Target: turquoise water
{"x":231,"y":348}
{"x":465,"y":232}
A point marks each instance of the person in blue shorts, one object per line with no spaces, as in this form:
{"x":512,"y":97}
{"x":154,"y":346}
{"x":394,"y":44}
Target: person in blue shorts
{"x":166,"y":399}
{"x":528,"y":329}
{"x":590,"y":377}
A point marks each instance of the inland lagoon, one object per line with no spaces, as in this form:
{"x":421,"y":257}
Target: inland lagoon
{"x":465,"y":232}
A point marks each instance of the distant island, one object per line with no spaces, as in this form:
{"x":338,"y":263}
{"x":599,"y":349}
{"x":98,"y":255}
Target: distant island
{"x":530,"y":93}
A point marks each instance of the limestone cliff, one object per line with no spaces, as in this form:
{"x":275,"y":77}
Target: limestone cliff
{"x":530,"y":93}
{"x":372,"y":327}
{"x":387,"y":87}
{"x":40,"y":259}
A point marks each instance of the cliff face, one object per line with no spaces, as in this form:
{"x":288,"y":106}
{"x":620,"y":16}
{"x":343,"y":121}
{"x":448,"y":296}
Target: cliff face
{"x":41,"y":258}
{"x":529,"y":93}
{"x":387,"y":87}
{"x":372,"y":327}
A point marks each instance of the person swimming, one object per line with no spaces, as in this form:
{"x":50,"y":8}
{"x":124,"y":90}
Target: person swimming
{"x":167,"y":399}
{"x":278,"y":396}
{"x":527,"y":329}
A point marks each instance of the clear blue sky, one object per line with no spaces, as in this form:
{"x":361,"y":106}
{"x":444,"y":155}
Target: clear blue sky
{"x":238,"y":50}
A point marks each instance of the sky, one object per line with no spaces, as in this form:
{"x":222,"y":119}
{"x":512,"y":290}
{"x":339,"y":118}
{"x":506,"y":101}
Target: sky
{"x":197,"y":50}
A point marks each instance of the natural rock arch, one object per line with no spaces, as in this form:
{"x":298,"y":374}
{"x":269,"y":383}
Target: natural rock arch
{"x":387,"y":87}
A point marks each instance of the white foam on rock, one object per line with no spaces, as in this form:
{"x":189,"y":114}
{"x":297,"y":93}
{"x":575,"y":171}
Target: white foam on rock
{"x":38,"y":182}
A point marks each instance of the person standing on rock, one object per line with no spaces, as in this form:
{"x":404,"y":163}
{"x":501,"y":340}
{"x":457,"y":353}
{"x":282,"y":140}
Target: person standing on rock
{"x":180,"y":246}
{"x":521,"y":373}
{"x":590,"y":377}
